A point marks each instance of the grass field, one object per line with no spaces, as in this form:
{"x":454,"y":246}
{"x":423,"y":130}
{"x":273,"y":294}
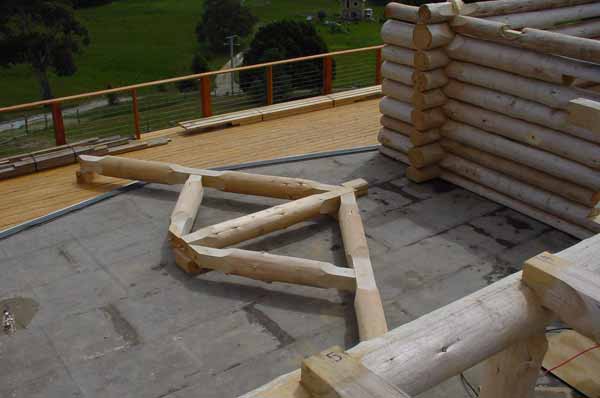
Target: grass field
{"x":140,"y":40}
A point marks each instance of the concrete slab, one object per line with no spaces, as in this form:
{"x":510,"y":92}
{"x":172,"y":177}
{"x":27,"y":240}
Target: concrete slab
{"x":116,"y":316}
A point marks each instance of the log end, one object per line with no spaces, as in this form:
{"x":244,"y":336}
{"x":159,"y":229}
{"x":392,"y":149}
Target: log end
{"x":422,"y":37}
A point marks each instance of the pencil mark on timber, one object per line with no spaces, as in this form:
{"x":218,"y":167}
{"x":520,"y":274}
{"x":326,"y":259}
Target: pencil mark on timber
{"x":255,"y":315}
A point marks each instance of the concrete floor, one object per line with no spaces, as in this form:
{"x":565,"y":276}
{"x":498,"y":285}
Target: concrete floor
{"x":104,"y":311}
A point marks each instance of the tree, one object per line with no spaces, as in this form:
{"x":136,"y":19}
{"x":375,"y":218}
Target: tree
{"x":199,"y":65}
{"x":283,"y":40}
{"x":222,"y":18}
{"x":44,"y":34}
{"x":89,"y":3}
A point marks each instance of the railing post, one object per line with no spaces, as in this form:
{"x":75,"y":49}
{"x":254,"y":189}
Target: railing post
{"x":59,"y":125}
{"x":205,"y":96}
{"x":327,"y":75}
{"x":136,"y":114}
{"x":269,"y":85}
{"x":378,"y":63}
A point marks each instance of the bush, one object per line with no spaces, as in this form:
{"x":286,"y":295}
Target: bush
{"x":199,"y":65}
{"x":222,"y":18}
{"x":90,"y":3}
{"x":282,"y":40}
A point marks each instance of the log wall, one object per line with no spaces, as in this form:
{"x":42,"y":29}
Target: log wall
{"x":471,"y":99}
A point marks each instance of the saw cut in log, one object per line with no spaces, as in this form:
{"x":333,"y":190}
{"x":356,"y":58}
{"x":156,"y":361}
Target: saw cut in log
{"x":531,"y":134}
{"x":276,"y":218}
{"x":420,"y":60}
{"x":402,"y":12}
{"x":427,"y":119}
{"x":394,"y":140}
{"x":514,"y":372}
{"x":552,"y":95}
{"x":571,"y":292}
{"x":423,"y":81}
{"x":541,"y":160}
{"x":394,"y":154}
{"x":398,"y":33}
{"x":427,"y":37}
{"x":226,"y":181}
{"x":543,"y":19}
{"x":437,"y":12}
{"x":427,"y":155}
{"x":396,"y":109}
{"x":585,"y":113}
{"x":399,"y":73}
{"x":588,"y":28}
{"x":526,"y":174}
{"x":423,"y":174}
{"x":517,"y":107}
{"x":420,"y":138}
{"x":272,"y":268}
{"x":367,"y":301}
{"x":535,"y":197}
{"x":522,"y":62}
{"x":396,"y":125}
{"x":523,"y":208}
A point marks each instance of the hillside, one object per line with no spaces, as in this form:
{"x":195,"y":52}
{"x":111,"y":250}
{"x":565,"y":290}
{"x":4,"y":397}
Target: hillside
{"x":141,"y":40}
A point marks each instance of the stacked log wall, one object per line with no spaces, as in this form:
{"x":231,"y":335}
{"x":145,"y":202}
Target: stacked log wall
{"x":496,"y":120}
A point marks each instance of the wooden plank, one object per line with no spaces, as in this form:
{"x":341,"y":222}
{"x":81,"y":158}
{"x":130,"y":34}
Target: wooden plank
{"x":571,"y":292}
{"x":585,"y":113}
{"x":582,"y":373}
{"x":233,"y":118}
{"x":295,"y":107}
{"x":351,"y":96}
{"x":335,"y":374}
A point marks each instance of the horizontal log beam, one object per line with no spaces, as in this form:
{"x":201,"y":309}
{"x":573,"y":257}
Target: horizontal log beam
{"x":543,"y":19}
{"x":418,"y":59}
{"x":394,"y":140}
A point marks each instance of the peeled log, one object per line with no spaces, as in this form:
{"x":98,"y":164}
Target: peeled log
{"x":394,"y":140}
{"x":398,"y":33}
{"x":522,"y":62}
{"x":543,"y":19}
{"x":399,"y":73}
{"x":535,"y":197}
{"x":402,"y":12}
{"x":423,"y":81}
{"x":396,"y":109}
{"x":428,"y":119}
{"x":523,"y":173}
{"x":420,"y":60}
{"x":186,"y":208}
{"x":517,"y":107}
{"x":398,"y":91}
{"x":532,"y":134}
{"x":420,"y":138}
{"x":502,"y":7}
{"x":394,"y":154}
{"x":589,"y":29}
{"x":524,"y":154}
{"x":420,"y":100}
{"x":427,"y":155}
{"x":523,"y":208}
{"x":552,"y":95}
{"x":423,"y":174}
{"x":396,"y":125}
{"x":426,"y":37}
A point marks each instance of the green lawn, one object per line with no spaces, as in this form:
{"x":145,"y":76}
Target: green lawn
{"x":140,"y":40}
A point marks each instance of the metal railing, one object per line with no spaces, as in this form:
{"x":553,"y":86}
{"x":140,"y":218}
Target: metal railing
{"x":140,"y":108}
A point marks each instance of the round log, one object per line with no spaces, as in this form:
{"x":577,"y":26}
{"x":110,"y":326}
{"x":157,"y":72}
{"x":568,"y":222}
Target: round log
{"x":503,"y":7}
{"x":402,"y":12}
{"x":394,"y":140}
{"x":436,"y":12}
{"x":482,"y":28}
{"x":541,"y":160}
{"x":426,"y":37}
{"x":427,"y":155}
{"x":531,"y":134}
{"x":543,"y":19}
{"x":526,"y":174}
{"x":517,"y":107}
{"x":423,"y":174}
{"x":427,"y":119}
{"x":535,"y":197}
{"x":428,"y":99}
{"x":423,"y":81}
{"x":186,"y":208}
{"x":400,"y":73}
{"x":523,"y":208}
{"x":395,"y":90}
{"x":522,"y":62}
{"x":398,"y":33}
{"x":549,"y":94}
{"x":589,"y":28}
{"x":418,"y":59}
{"x":420,"y":138}
{"x":396,"y":109}
{"x":559,"y":44}
{"x":392,"y":153}
{"x":396,"y":125}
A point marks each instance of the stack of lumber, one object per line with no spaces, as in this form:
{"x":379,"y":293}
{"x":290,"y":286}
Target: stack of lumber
{"x":507,"y":125}
{"x":32,"y":162}
{"x":413,"y":72}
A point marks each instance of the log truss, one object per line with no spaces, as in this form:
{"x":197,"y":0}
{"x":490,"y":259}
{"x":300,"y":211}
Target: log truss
{"x":209,"y":248}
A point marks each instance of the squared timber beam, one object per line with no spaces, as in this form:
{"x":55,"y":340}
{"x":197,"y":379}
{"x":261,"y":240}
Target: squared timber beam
{"x":573,"y":293}
{"x":335,"y":374}
{"x":585,"y":113}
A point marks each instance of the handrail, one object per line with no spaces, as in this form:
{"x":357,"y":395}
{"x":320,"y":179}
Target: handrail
{"x":182,"y":78}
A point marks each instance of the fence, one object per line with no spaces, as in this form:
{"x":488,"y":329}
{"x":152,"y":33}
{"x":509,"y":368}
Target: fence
{"x":140,"y":108}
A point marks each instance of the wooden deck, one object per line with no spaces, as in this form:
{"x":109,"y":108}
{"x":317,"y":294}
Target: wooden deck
{"x":28,"y":197}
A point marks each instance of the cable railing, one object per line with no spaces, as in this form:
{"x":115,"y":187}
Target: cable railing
{"x":141,"y":108}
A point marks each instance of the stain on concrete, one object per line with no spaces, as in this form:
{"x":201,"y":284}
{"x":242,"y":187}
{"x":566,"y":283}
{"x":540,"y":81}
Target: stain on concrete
{"x":256,"y":316}
{"x":500,"y":241}
{"x":441,"y":186}
{"x":519,"y":225}
{"x":22,"y":308}
{"x":121,"y":325}
{"x":65,"y":253}
{"x":388,"y":186}
{"x":500,"y":269}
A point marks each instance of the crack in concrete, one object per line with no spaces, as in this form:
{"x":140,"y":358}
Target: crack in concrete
{"x":257,"y":316}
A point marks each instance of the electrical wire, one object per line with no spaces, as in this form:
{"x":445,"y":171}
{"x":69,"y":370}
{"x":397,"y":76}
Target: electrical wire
{"x":566,"y":361}
{"x":471,"y":391}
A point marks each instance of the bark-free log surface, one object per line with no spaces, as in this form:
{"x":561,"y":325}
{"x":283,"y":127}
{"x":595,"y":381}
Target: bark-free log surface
{"x":398,"y":33}
{"x":395,"y":140}
{"x":399,"y":73}
{"x":186,"y":208}
{"x":427,"y":37}
{"x":543,"y":19}
{"x":402,"y":12}
{"x":396,"y":125}
{"x":427,"y":155}
{"x":396,"y":109}
{"x":418,"y":59}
